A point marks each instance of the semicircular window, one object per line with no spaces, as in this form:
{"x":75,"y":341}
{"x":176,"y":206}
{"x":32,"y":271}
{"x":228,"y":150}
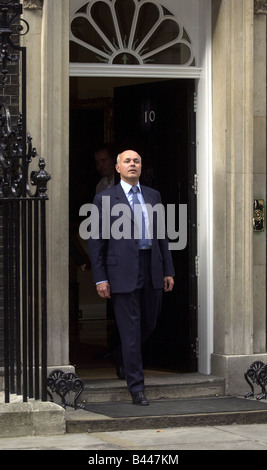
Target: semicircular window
{"x":128,"y":32}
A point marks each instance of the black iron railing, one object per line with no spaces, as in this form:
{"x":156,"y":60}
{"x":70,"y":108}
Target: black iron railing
{"x":22,"y":214}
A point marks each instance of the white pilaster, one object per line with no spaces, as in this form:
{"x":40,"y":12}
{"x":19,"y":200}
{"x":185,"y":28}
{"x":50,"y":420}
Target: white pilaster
{"x":233,"y":65}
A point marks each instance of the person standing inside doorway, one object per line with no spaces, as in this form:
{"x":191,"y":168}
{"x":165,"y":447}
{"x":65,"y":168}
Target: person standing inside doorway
{"x":105,"y":165}
{"x":132,"y":272}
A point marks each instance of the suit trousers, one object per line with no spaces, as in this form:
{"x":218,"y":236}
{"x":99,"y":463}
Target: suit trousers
{"x":136,"y":315}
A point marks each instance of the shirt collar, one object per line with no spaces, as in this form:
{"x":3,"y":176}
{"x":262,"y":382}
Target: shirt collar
{"x":127,"y":186}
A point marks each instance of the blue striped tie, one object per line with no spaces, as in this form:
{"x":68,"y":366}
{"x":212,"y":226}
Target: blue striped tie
{"x":144,"y":243}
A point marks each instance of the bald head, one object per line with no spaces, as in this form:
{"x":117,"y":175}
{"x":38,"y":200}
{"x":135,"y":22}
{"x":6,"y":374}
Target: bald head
{"x":129,"y":166}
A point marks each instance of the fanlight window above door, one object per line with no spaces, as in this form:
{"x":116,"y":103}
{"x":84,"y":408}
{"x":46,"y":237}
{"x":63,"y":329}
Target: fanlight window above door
{"x":128,"y":32}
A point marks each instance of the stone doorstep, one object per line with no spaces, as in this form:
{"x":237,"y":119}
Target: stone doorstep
{"x":31,"y":418}
{"x":47,"y":418}
{"x":100,"y":423}
{"x":176,"y":386}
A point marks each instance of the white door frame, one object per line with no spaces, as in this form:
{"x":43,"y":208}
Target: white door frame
{"x":203,"y":80}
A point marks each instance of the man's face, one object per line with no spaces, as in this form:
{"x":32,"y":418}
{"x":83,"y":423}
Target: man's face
{"x":129,"y":166}
{"x":104,"y":163}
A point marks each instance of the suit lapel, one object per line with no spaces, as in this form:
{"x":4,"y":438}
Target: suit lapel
{"x":120,"y":198}
{"x":147,"y":195}
{"x":149,"y":198}
{"x":120,"y":195}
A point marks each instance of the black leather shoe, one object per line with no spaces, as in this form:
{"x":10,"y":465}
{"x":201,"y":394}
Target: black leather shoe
{"x":139,"y":399}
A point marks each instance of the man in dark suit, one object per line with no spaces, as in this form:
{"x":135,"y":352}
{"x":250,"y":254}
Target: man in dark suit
{"x":131,"y":270}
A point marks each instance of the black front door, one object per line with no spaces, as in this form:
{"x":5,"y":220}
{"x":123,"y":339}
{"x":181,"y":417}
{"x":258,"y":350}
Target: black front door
{"x":157,"y":119}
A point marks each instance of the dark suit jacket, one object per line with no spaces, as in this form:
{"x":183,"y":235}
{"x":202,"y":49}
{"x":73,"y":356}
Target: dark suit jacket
{"x":118,"y":260}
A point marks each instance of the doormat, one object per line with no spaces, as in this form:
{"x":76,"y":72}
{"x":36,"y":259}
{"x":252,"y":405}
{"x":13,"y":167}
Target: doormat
{"x":177,"y":407}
